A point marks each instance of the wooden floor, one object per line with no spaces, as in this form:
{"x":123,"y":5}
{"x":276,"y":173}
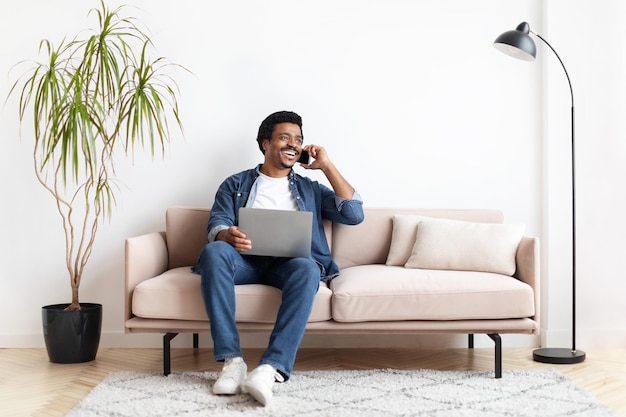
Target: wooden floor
{"x":31,"y":386}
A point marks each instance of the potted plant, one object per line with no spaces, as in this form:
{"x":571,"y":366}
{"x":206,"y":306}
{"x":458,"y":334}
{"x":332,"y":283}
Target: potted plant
{"x":94,"y":97}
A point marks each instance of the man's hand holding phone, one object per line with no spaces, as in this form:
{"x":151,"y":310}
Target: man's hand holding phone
{"x":314,"y":157}
{"x":322,"y":162}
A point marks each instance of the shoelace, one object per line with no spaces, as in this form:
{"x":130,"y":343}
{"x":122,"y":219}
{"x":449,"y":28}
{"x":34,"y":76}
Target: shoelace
{"x":232,"y":369}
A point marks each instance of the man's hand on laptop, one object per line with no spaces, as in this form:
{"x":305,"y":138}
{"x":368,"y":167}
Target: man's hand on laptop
{"x":236,"y":238}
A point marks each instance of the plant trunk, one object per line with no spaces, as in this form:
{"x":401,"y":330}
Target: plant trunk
{"x":75,"y":304}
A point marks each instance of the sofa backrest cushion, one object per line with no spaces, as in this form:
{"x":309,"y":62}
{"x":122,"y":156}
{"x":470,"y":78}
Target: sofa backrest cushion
{"x":366,"y":243}
{"x":369,"y":242}
{"x":465,"y":246}
{"x":186,"y":234}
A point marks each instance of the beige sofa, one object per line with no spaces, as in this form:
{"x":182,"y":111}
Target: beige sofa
{"x":441,"y":288}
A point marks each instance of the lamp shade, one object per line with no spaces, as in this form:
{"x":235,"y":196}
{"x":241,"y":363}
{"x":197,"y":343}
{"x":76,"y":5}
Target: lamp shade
{"x":517,"y":43}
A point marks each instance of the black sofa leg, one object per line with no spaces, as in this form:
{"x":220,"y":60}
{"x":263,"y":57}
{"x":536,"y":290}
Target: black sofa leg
{"x":498,"y":353}
{"x":470,"y":341}
{"x":196,"y":342}
{"x":167,"y":364}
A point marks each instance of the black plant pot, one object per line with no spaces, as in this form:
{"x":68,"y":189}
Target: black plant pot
{"x":72,"y":336}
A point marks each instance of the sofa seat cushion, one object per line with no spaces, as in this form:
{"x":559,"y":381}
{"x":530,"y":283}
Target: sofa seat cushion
{"x":176,"y":294}
{"x":390,"y":293}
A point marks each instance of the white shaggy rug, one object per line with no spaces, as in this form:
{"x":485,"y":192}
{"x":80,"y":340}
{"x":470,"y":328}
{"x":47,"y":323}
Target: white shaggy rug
{"x":370,"y":393}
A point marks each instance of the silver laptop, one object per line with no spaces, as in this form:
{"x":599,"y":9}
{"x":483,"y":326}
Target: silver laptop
{"x":284,"y":233}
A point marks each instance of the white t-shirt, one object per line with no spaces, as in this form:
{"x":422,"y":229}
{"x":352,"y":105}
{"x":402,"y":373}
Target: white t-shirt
{"x":274,"y":193}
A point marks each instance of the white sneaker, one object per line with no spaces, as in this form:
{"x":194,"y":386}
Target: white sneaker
{"x":230,"y":379}
{"x":260,"y":382}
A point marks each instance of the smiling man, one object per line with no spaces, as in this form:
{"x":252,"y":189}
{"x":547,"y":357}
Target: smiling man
{"x":223,"y":262}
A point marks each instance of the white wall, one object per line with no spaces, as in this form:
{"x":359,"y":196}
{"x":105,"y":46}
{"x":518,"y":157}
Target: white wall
{"x":410,"y":99}
{"x":590,"y":38}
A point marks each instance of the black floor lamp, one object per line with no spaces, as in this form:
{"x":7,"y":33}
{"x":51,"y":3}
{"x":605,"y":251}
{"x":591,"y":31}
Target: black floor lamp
{"x":518,"y":44}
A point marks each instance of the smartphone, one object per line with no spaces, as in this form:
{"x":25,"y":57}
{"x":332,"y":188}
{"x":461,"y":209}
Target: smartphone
{"x":304,"y":158}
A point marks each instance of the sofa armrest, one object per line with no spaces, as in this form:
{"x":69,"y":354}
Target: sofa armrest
{"x":528,"y":267}
{"x":146,"y":257}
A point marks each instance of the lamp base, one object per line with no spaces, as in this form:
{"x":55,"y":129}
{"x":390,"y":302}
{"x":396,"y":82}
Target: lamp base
{"x":558,"y":356}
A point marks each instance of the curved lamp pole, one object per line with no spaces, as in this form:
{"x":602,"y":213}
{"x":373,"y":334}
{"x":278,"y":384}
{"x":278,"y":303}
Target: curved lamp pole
{"x":518,"y":44}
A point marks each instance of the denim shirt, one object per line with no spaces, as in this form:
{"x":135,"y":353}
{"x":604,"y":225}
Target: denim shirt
{"x":239,"y":190}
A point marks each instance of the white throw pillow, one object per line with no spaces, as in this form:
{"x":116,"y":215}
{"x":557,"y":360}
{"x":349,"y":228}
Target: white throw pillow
{"x":466,"y":246}
{"x":402,"y":238}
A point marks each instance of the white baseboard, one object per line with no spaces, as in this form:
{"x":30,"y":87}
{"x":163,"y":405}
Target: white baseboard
{"x":585,"y":338}
{"x":22,"y":341}
{"x":155,"y":340}
{"x":595,"y":338}
{"x":599,"y":338}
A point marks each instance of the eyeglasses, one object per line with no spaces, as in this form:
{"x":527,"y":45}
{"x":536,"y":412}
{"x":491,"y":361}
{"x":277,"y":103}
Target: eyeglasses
{"x":287,"y":138}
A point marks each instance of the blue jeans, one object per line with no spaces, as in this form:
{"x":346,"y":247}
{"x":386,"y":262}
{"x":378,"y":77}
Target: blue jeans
{"x":222,"y":267}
